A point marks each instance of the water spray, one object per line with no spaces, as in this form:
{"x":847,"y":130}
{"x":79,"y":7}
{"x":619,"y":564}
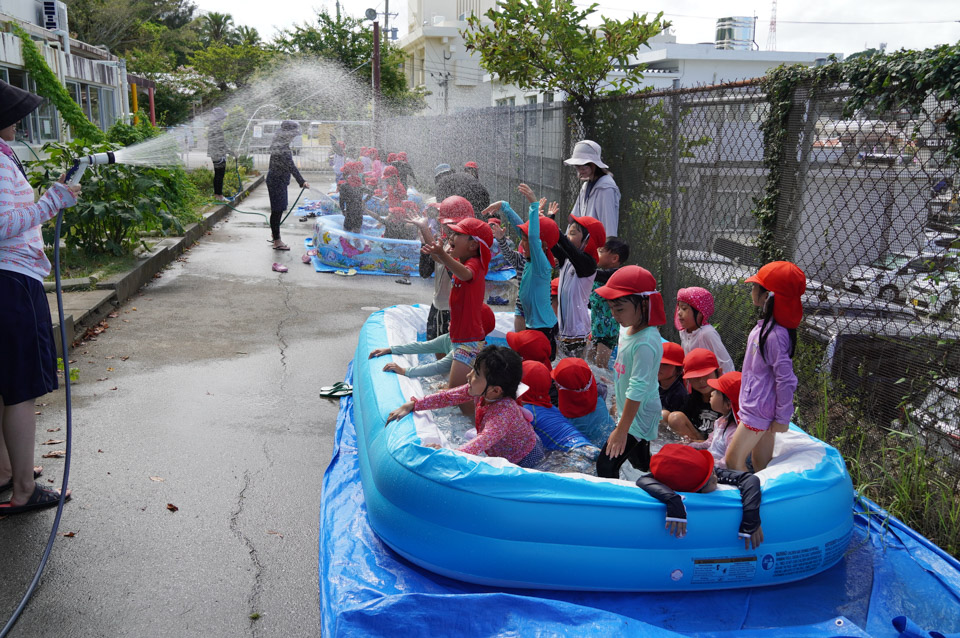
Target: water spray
{"x":81,"y":164}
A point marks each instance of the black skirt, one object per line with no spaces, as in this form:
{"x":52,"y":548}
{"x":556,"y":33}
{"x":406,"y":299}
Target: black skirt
{"x":27,"y":349}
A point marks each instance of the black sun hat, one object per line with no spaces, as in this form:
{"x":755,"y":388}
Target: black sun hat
{"x":15,"y":104}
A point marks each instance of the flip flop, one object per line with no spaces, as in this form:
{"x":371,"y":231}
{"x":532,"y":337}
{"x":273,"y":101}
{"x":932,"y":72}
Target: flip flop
{"x":279,"y":267}
{"x":338,"y":389}
{"x":37,"y":472}
{"x":305,"y":258}
{"x":402,"y":280}
{"x":41,"y":498}
{"x":281,"y":247}
{"x":346,"y":273}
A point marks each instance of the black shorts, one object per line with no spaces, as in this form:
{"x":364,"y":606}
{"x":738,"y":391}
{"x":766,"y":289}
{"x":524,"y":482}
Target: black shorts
{"x":551,"y":334}
{"x":27,"y":349}
{"x":438,"y":322}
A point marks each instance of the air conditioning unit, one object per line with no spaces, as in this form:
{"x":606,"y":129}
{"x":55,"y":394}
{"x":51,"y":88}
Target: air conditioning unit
{"x":438,"y":20}
{"x":54,"y":15}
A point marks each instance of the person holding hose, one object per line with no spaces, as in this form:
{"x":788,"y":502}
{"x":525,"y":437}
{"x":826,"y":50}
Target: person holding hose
{"x":217,"y":150}
{"x":278,"y":177}
{"x":27,"y":349}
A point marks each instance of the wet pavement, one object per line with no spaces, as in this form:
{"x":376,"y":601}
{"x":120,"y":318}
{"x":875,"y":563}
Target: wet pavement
{"x":201,"y":394}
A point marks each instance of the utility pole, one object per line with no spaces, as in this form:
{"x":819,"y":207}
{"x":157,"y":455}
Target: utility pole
{"x":338,"y":11}
{"x":376,"y":83}
{"x":386,"y":19}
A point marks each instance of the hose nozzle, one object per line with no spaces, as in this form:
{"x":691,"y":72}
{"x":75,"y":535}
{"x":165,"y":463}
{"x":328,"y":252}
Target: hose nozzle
{"x":81,"y":163}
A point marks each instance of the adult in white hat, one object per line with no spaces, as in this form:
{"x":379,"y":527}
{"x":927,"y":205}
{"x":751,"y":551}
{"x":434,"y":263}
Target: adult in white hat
{"x":599,"y":195}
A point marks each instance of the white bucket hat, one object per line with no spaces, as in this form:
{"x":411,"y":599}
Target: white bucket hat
{"x":585,"y":152}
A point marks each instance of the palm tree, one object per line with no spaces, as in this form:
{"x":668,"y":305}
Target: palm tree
{"x":217,"y":28}
{"x":247,"y":36}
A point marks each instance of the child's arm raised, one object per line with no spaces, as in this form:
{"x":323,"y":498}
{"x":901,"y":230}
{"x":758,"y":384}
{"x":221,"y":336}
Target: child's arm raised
{"x":583,"y":263}
{"x":750,"y":494}
{"x":441,"y":255}
{"x":676,"y":512}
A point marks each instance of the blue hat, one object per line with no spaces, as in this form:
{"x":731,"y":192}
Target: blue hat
{"x":441,"y":169}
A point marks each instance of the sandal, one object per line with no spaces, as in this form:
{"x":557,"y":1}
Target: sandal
{"x":402,"y":280}
{"x":346,"y":273}
{"x":306,"y":258}
{"x":279,"y":267}
{"x":338,"y":389}
{"x":37,"y":472}
{"x":281,"y":246}
{"x":41,"y":498}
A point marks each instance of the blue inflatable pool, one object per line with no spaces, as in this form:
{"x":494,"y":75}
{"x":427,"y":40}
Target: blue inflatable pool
{"x":487,"y":521}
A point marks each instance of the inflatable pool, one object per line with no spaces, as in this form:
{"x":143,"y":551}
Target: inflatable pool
{"x":370,"y":253}
{"x":329,"y":204}
{"x":487,"y":521}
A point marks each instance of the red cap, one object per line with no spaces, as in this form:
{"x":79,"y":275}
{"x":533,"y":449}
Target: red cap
{"x":411,"y":206}
{"x":537,"y":378}
{"x":402,"y":156}
{"x":555,"y":287}
{"x":391,"y":171}
{"x":352,"y":168}
{"x":787,"y":283}
{"x":729,"y":385}
{"x":682,"y":468}
{"x":494,"y":220}
{"x":672,"y":354}
{"x":634,"y":280}
{"x":455,"y":208}
{"x":391,"y":157}
{"x":578,"y":388}
{"x":471,"y":165}
{"x":487,"y":319}
{"x":699,"y":362}
{"x":531,"y":345}
{"x":549,"y":231}
{"x":598,"y":235}
{"x":479,"y":231}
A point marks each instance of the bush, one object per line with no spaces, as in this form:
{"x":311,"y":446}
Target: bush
{"x":118,"y":202}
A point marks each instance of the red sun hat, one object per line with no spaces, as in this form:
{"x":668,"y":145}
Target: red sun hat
{"x":531,"y":345}
{"x":672,"y":354}
{"x":697,"y":298}
{"x":455,"y":208}
{"x":495,"y":220}
{"x":729,"y":385}
{"x":682,"y":468}
{"x":471,"y":165}
{"x":487,"y":319}
{"x":391,"y":157}
{"x":537,"y":379}
{"x":402,"y":156}
{"x":577,"y":387}
{"x":787,"y":283}
{"x":699,"y":362}
{"x":634,"y":280}
{"x":478,"y":230}
{"x":555,"y":287}
{"x":390,"y":171}
{"x":549,"y":231}
{"x":598,"y":235}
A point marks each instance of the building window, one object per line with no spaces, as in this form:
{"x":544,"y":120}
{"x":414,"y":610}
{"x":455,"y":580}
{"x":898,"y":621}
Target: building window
{"x":531,"y":99}
{"x":548,"y":97}
{"x":507,"y":101}
{"x":40,"y":125}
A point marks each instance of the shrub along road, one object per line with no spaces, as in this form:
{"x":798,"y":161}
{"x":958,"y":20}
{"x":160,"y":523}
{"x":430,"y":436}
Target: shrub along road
{"x":200,"y":396}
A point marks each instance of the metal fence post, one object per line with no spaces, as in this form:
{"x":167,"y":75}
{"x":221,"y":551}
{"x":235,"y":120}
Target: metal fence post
{"x":668,"y":286}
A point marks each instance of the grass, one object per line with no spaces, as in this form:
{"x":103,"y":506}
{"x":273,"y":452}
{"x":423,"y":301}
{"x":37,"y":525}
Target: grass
{"x":76,"y":263}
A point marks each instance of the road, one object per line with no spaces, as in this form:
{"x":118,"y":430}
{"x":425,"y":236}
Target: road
{"x":201,"y":394}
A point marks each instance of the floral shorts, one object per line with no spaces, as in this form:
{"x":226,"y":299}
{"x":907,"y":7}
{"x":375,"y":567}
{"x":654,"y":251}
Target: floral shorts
{"x":466,"y":352}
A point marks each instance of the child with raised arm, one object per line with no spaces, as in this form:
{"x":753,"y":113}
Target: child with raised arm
{"x":691,"y":318}
{"x":766,"y":391}
{"x":538,"y":235}
{"x":638,"y":308}
{"x":466,"y":256}
{"x":678,"y":468}
{"x":725,"y":400}
{"x":440,"y":345}
{"x":577,"y":254}
{"x":502,"y":428}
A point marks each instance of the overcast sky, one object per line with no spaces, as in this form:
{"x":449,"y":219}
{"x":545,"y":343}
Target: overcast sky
{"x":916,"y":24}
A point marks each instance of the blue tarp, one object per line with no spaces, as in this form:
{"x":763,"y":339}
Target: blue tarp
{"x":889,"y":573}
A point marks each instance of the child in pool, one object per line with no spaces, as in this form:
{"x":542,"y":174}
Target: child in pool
{"x":694,"y":308}
{"x":695,"y":419}
{"x":440,"y":345}
{"x":678,"y":468}
{"x":554,"y":430}
{"x":532,"y":345}
{"x":502,"y":428}
{"x":766,"y":391}
{"x":577,"y":255}
{"x":604,"y":331}
{"x":532,"y":296}
{"x":353,"y":194}
{"x":638,"y":308}
{"x":725,"y":400}
{"x":466,"y":256}
{"x":580,"y":401}
{"x":673,"y":392}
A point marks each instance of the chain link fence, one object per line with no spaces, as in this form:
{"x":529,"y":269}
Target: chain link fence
{"x":867,"y":208}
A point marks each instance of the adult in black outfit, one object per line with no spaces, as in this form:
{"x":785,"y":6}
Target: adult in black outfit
{"x":278,"y":177}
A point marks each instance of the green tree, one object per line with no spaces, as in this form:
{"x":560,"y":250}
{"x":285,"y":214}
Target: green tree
{"x":547,"y":45}
{"x":229,"y":65}
{"x":217,"y":29}
{"x":248,"y":35}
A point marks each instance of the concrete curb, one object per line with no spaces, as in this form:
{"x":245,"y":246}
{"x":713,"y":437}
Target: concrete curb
{"x":124,"y":285}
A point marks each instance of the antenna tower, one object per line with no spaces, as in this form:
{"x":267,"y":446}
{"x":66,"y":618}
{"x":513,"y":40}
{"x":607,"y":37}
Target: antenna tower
{"x":772,"y":36}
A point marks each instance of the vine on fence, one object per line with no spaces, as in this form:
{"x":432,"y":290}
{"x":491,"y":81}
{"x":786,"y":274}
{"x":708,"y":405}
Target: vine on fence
{"x":49,"y":86}
{"x":901,"y":80}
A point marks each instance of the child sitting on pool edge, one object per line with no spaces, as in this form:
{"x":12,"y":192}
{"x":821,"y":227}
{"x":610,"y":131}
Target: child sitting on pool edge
{"x":502,"y":428}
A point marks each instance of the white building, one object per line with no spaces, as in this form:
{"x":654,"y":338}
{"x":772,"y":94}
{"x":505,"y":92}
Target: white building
{"x":95,"y":78}
{"x":436,"y":58}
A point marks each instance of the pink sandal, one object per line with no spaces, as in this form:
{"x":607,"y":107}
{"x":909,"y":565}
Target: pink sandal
{"x":279,"y":267}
